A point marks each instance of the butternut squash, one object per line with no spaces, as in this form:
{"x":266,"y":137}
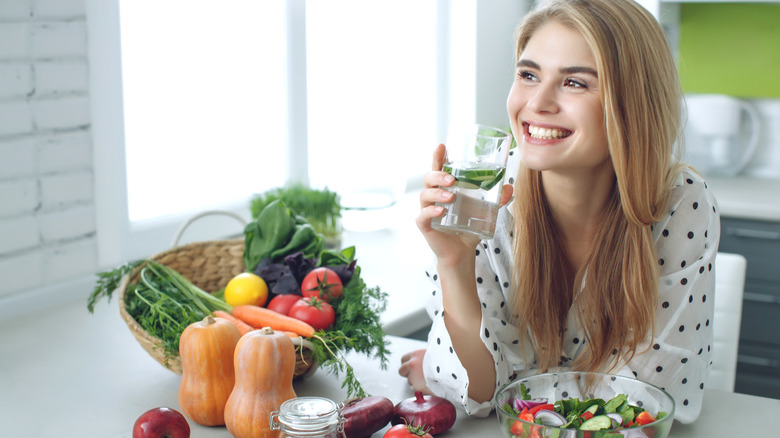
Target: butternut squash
{"x":264,"y":363}
{"x":206,"y":350}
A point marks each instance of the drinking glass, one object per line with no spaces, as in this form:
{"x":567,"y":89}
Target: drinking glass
{"x":476,"y":157}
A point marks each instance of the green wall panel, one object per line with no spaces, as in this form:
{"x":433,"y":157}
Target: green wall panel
{"x":730,"y":48}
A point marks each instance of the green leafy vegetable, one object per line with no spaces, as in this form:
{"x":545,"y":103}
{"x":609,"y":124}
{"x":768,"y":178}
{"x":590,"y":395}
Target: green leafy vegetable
{"x":278,"y":232}
{"x":321,"y":208}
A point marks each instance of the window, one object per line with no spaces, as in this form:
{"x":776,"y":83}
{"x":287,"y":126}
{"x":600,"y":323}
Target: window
{"x":203,"y":102}
{"x":198,"y":105}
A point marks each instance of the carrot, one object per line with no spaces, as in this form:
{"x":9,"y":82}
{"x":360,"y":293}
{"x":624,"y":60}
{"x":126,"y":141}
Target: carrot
{"x":242,"y":327}
{"x":259,"y":317}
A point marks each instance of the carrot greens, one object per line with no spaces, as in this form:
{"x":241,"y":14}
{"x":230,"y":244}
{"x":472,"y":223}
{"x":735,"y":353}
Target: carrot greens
{"x":162,"y":301}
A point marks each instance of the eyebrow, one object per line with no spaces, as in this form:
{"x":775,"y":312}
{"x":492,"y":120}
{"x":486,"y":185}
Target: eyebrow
{"x":562,"y":70}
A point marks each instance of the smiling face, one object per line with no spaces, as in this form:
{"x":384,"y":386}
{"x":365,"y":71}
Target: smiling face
{"x":555,"y":106}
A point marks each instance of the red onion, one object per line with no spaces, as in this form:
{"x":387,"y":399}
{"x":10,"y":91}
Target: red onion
{"x":617,"y":420}
{"x":431,"y":411}
{"x":364,"y":416}
{"x":550,"y":418}
{"x":520,"y":404}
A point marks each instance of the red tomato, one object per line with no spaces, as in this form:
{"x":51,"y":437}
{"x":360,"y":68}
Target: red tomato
{"x":406,"y":431}
{"x":322,"y":283}
{"x":643,"y":418}
{"x":282,"y":303}
{"x":313,"y":311}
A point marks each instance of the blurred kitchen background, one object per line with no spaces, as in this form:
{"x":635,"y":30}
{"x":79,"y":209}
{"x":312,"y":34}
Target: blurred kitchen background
{"x":120,"y":119}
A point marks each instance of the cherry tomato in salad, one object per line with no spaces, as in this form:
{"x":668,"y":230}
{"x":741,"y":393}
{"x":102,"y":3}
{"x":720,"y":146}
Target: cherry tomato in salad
{"x":322,"y":283}
{"x":643,"y":418}
{"x":314,"y":311}
{"x":407,"y":431}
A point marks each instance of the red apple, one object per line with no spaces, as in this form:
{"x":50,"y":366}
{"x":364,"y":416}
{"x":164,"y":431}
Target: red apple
{"x":161,"y":422}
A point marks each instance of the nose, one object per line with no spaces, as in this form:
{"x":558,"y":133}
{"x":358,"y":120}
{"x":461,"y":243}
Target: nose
{"x":543,"y":99}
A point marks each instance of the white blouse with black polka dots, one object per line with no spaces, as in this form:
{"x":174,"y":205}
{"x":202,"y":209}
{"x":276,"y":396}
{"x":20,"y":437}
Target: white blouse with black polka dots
{"x":678,"y":358}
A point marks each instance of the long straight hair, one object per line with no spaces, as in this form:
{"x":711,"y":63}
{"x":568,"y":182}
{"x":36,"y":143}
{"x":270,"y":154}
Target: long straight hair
{"x":616,"y":289}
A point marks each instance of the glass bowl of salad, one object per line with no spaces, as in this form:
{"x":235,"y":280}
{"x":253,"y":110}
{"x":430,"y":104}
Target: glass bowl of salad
{"x":583,"y":405}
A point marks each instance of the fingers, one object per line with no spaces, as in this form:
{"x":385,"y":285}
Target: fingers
{"x":439,"y":157}
{"x":506,"y":194}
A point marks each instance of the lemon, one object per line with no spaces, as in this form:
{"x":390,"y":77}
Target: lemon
{"x":246,"y":288}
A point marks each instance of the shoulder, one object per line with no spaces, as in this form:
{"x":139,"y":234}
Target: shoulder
{"x":690,"y":186}
{"x":690,"y":228}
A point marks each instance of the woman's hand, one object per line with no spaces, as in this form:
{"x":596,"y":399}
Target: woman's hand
{"x":448,"y":248}
{"x":412,"y":369}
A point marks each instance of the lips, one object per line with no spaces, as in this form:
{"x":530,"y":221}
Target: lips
{"x":546,"y":133}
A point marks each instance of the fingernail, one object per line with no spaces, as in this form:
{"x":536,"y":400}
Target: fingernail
{"x":449,"y":178}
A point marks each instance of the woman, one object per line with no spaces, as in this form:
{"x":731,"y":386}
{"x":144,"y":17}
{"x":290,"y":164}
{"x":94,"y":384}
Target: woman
{"x":603,"y":260}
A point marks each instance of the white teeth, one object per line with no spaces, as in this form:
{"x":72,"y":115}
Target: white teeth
{"x":538,"y":132}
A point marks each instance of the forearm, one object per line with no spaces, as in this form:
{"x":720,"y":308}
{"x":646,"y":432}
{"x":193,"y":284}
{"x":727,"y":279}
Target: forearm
{"x":463,"y":319}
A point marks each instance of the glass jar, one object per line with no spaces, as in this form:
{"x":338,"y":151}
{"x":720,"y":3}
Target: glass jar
{"x":309,"y":417}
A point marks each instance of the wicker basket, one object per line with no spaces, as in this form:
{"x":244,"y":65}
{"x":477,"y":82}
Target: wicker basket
{"x":208,"y":265}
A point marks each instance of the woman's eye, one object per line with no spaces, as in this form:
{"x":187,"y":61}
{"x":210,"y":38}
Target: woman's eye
{"x":527,"y":75}
{"x":574,"y":84}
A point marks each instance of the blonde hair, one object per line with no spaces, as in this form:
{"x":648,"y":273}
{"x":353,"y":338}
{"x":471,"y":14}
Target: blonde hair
{"x":641,"y":97}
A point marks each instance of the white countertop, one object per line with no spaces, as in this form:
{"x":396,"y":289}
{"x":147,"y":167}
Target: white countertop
{"x":747,"y":198}
{"x":67,"y":373}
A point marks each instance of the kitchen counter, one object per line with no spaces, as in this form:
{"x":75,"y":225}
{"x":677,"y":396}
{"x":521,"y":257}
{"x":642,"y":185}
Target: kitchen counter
{"x":747,"y":198}
{"x":68,"y":373}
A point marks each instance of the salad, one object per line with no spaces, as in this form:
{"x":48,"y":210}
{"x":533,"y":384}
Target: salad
{"x":590,"y":415}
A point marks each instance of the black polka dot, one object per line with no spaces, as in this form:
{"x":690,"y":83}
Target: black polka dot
{"x":661,"y":262}
{"x":684,"y":381}
{"x":435,"y":277}
{"x":689,"y":181}
{"x":487,"y":333}
{"x":695,"y":205}
{"x":656,"y":347}
{"x":665,"y":305}
{"x":640,"y":403}
{"x":479,"y":280}
{"x":576,"y":340}
{"x":452,"y":351}
{"x":682,"y":265}
{"x":682,"y":328}
{"x":690,"y":298}
{"x":707,"y":323}
{"x":564,"y":394}
{"x":506,"y":284}
{"x":685,"y":402}
{"x":438,"y":341}
{"x":690,"y":234}
{"x":703,"y":298}
{"x":701,"y":385}
{"x":701,"y":270}
{"x":497,"y":250}
{"x":454,"y":376}
{"x":495,"y":346}
{"x":658,"y":369}
{"x":698,"y":326}
{"x":438,"y":370}
{"x":684,"y":281}
{"x":665,"y":233}
{"x":684,"y":360}
{"x":477,"y":252}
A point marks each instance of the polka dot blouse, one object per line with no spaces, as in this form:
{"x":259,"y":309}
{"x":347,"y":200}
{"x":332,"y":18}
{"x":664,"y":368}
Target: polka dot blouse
{"x":677,"y":359}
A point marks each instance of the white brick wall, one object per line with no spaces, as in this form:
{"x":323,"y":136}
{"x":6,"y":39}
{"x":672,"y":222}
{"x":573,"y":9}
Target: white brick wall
{"x":47,"y":212}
